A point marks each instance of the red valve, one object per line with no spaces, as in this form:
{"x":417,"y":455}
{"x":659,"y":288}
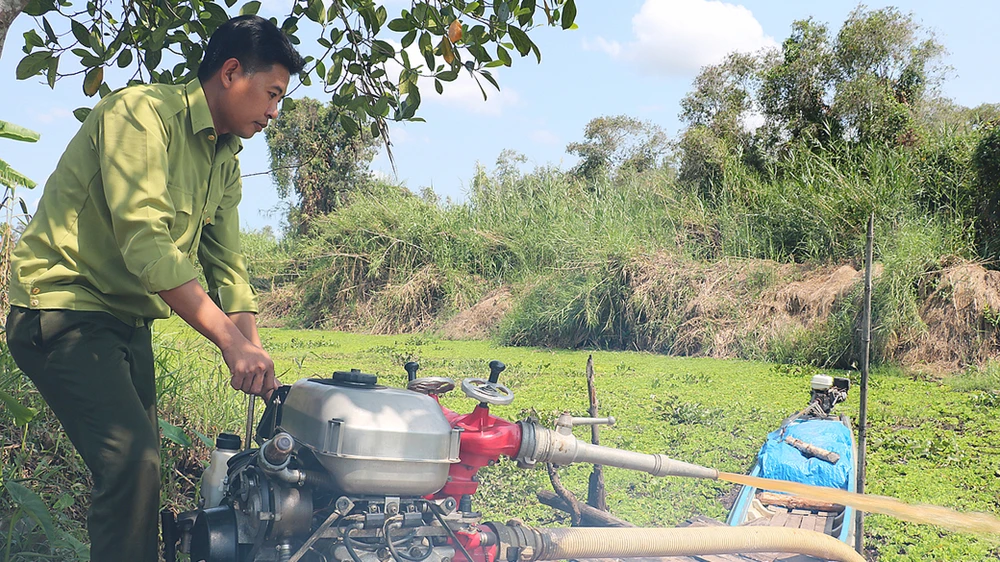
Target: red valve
{"x":484,"y":439}
{"x":473,"y":542}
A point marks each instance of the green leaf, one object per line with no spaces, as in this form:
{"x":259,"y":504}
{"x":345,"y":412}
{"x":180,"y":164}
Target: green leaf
{"x":287,"y":104}
{"x":503,"y":55}
{"x":250,"y":8}
{"x":39,"y":7}
{"x":152,"y":59}
{"x":52,"y":71}
{"x":22,"y":414}
{"x":204,"y":438}
{"x":81,"y":113}
{"x":31,"y":39}
{"x":407,"y":39}
{"x":30,"y":502}
{"x":400,"y":25}
{"x":17,"y":132}
{"x":321,"y":70}
{"x":174,"y":433}
{"x":335,"y":71}
{"x":490,"y":79}
{"x":520,"y":39}
{"x":49,"y":34}
{"x":315,"y":11}
{"x":349,"y":125}
{"x":80,"y":32}
{"x":384,"y":48}
{"x":32,"y":65}
{"x":438,"y":87}
{"x":10,"y":177}
{"x":527,"y":12}
{"x":65,"y":500}
{"x":97,"y":43}
{"x":568,"y":14}
{"x":125,"y":58}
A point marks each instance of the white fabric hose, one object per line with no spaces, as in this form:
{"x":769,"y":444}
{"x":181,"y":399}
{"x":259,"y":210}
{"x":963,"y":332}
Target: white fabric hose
{"x":563,"y":544}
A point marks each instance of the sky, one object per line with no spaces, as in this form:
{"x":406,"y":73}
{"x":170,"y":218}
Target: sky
{"x":631,"y":57}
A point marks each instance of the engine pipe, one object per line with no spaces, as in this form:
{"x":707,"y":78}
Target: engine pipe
{"x":539,"y":444}
{"x":520,"y":543}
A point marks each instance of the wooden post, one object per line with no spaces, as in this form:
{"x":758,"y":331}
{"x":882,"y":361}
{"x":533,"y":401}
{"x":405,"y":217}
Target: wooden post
{"x":866,"y":338}
{"x":596,"y":494}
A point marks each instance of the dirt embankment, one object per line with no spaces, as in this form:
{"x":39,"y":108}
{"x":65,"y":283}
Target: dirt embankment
{"x":756,"y":308}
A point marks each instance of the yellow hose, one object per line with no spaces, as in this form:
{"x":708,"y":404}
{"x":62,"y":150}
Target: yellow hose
{"x":565,"y":544}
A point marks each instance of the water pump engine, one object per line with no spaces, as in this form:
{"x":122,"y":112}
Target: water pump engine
{"x":352,"y":471}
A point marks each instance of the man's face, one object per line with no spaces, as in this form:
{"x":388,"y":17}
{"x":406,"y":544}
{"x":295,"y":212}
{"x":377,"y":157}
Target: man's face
{"x":251,"y":100}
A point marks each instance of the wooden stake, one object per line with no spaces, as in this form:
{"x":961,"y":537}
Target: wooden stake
{"x":596,"y":494}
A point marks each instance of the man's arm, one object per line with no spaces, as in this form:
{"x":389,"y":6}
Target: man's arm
{"x":250,"y":366}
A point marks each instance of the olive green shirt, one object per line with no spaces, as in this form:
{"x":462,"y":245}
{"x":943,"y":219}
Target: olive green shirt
{"x":144,"y":187}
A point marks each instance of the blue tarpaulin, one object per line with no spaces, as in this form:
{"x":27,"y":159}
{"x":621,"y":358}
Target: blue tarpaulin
{"x":781,"y":461}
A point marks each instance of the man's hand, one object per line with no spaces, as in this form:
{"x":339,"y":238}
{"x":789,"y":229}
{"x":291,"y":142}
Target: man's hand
{"x":235,"y":335}
{"x":251,"y":368}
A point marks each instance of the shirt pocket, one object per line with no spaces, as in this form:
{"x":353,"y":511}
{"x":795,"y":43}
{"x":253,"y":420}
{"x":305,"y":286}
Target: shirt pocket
{"x":185,"y":215}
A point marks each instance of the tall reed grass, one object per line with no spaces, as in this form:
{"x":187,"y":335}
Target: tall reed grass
{"x":392,"y":260}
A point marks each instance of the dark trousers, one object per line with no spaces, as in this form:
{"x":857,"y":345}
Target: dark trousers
{"x":96,"y":373}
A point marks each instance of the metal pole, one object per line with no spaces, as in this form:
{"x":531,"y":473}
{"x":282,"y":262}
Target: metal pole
{"x":866,"y":338}
{"x":249,"y":428}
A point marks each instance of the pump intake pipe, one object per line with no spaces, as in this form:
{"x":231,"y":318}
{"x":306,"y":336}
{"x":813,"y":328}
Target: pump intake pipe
{"x":539,"y":444}
{"x":528,"y":544}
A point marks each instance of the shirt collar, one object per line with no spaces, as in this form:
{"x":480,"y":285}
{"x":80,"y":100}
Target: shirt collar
{"x":201,"y":116}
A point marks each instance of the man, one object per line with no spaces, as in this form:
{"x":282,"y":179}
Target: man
{"x":150,"y":181}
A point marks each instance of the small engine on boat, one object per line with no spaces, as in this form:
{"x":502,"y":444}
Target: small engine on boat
{"x":827,"y":392}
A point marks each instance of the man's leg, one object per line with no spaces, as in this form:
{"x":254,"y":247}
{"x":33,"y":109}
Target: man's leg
{"x":96,"y":373}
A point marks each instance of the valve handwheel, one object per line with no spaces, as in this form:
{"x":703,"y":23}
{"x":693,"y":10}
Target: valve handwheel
{"x":486,"y":391}
{"x":431,"y":385}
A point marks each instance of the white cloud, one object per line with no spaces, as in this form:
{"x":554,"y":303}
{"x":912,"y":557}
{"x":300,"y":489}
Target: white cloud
{"x":54,"y":114}
{"x":613,"y":48}
{"x":678,"y":37}
{"x":544,"y":136}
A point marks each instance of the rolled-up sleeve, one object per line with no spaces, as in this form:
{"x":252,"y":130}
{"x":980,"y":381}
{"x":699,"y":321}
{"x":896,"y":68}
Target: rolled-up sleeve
{"x":132,"y":143}
{"x":220,"y":254}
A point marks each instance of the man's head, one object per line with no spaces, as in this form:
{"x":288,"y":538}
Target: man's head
{"x":245,"y":73}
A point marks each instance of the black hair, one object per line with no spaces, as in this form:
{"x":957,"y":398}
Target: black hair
{"x":254,"y":41}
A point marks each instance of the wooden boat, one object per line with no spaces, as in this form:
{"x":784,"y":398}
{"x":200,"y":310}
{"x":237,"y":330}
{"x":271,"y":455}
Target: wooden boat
{"x":814,"y":446}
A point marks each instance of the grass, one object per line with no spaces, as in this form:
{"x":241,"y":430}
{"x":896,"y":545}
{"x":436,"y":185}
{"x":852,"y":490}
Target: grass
{"x":572,"y":250}
{"x":931,"y":441}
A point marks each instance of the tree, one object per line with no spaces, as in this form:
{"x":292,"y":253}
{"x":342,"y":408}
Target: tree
{"x":872,"y":84}
{"x":720,"y":113}
{"x":359,"y":48}
{"x":314,"y":157}
{"x":886,"y":72}
{"x":618,"y":143}
{"x":795,"y":92}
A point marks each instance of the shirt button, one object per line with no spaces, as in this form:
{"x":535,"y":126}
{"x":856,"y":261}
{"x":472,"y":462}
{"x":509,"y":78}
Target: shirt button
{"x":211,"y":137}
{"x":35,"y":290}
{"x":34,"y":302}
{"x":208,"y":220}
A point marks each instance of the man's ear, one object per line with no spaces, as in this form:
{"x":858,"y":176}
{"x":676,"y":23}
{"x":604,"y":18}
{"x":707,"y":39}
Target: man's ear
{"x":229,"y":71}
